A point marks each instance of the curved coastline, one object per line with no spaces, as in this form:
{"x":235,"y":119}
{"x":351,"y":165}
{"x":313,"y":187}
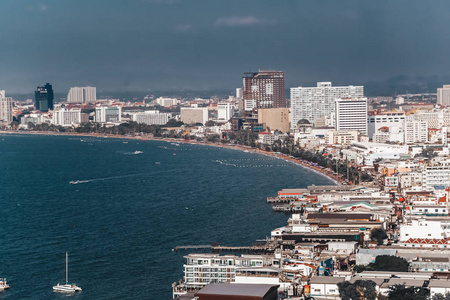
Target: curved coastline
{"x":299,"y":162}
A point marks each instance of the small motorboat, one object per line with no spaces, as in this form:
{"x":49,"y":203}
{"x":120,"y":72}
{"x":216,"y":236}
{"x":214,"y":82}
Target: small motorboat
{"x":3,"y":284}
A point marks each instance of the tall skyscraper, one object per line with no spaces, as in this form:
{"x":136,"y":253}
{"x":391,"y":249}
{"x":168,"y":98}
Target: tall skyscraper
{"x":85,"y":94}
{"x":351,"y":114}
{"x":5,"y":108}
{"x":443,"y":95}
{"x":266,"y":88}
{"x":311,"y":103}
{"x":44,"y":97}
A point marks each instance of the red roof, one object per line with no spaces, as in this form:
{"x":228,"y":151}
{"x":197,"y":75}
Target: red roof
{"x":443,"y":199}
{"x":427,"y":241}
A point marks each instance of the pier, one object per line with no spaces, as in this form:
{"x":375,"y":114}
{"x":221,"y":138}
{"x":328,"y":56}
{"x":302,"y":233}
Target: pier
{"x":277,"y":200}
{"x":195,"y":247}
{"x":261,"y":248}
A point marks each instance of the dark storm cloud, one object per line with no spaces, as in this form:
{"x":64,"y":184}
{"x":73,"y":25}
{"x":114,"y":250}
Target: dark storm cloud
{"x":200,"y":44}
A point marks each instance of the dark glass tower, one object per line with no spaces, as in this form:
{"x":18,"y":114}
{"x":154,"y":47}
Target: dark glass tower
{"x":44,"y":97}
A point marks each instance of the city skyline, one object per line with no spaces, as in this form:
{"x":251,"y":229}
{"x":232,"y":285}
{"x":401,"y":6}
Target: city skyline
{"x":149,"y":45}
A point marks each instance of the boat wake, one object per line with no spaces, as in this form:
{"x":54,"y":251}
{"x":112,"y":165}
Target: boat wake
{"x":130,"y":152}
{"x":247,"y":165}
{"x":104,"y":178}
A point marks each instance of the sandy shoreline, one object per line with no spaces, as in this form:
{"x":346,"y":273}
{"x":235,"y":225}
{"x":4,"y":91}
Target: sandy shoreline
{"x":324,"y":172}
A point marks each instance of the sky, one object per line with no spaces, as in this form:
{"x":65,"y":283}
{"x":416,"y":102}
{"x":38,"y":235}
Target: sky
{"x":164,"y":45}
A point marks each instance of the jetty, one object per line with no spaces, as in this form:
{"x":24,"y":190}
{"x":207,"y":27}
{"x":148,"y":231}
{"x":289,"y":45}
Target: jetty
{"x":195,"y":247}
{"x":217,"y":248}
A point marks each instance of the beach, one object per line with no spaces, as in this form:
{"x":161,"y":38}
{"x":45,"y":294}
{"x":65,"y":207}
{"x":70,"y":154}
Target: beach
{"x":317,"y":169}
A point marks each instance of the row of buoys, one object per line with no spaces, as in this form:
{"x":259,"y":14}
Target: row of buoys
{"x":246,"y":159}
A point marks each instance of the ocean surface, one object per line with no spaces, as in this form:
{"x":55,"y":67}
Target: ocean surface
{"x":134,"y":202}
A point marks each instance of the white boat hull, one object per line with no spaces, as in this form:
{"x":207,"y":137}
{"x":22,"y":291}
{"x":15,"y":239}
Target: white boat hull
{"x":66,"y":288}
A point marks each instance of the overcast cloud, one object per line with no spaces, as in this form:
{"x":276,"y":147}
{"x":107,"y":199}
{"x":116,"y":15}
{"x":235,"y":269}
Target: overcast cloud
{"x":126,"y":45}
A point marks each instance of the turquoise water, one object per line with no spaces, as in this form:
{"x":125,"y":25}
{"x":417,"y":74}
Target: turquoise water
{"x":135,"y":201}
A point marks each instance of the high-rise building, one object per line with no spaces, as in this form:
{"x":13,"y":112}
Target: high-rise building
{"x":266,"y":88}
{"x":193,"y":115}
{"x":85,"y":94}
{"x":416,"y":132}
{"x":104,"y":114}
{"x":351,"y":114}
{"x":443,"y":95}
{"x":239,"y":93}
{"x":225,"y":111}
{"x":311,"y":103}
{"x":392,"y":121}
{"x":167,"y":102}
{"x":66,"y":117}
{"x":5,"y":108}
{"x":44,"y":97}
{"x":274,"y":118}
{"x":152,"y":117}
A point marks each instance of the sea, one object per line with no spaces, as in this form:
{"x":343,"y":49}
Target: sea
{"x":130,"y":203}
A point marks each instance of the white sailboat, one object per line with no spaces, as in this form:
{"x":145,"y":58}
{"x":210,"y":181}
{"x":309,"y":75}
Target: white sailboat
{"x":68,"y":287}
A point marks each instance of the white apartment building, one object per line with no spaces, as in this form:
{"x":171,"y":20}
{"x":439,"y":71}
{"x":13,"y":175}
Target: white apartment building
{"x":249,"y":105}
{"x":85,"y":94}
{"x":443,"y":95}
{"x":351,"y":114}
{"x":104,"y":114}
{"x":65,"y":117}
{"x":436,"y":177}
{"x":341,"y":137}
{"x":152,"y":117}
{"x":311,"y":103}
{"x":435,"y":118}
{"x":192,"y":115}
{"x":201,"y":269}
{"x":393,"y":122}
{"x":425,"y":229}
{"x":225,"y":111}
{"x":239,"y":94}
{"x":32,"y":118}
{"x":167,"y":102}
{"x":268,"y":138}
{"x":416,"y":132}
{"x":366,"y":152}
{"x":5,"y":108}
{"x":410,"y":179}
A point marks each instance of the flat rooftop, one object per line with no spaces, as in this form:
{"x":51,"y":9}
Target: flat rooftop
{"x":238,"y":289}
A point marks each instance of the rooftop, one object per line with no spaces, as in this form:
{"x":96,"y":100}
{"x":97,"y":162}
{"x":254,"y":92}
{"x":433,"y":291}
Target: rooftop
{"x":240,"y":289}
{"x":326,"y":279}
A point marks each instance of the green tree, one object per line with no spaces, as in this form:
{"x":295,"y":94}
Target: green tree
{"x":389,"y":263}
{"x":31,"y":126}
{"x":427,"y":152}
{"x":366,"y":177}
{"x":401,"y":292}
{"x":173,"y":123}
{"x":359,"y":290}
{"x":365,"y":289}
{"x":440,"y":296}
{"x":378,"y":234}
{"x":303,"y":121}
{"x":347,"y":290}
{"x":210,"y":123}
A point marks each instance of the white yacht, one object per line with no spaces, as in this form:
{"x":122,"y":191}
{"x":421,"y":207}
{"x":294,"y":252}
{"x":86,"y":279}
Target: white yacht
{"x":67,"y":287}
